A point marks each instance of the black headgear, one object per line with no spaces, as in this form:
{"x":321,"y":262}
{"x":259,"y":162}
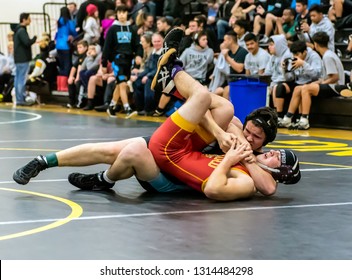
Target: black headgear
{"x":288,"y":173}
{"x":267,"y":119}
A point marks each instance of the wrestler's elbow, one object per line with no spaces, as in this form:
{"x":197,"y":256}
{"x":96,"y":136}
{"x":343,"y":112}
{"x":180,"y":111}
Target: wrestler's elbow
{"x":267,"y":190}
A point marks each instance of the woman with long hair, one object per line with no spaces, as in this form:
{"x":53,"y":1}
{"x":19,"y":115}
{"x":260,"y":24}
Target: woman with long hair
{"x":65,"y":33}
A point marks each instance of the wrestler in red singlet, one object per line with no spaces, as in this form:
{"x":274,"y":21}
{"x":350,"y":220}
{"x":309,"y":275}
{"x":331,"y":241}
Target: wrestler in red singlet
{"x":174,"y":146}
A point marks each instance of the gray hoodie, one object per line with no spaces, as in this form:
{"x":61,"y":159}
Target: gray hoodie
{"x":196,"y":61}
{"x":326,"y":26}
{"x":274,"y":66}
{"x":309,"y":72}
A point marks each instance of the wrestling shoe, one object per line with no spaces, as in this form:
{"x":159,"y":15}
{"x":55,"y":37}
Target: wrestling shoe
{"x":172,"y":40}
{"x":166,"y":61}
{"x":89,"y":182}
{"x":30,"y":170}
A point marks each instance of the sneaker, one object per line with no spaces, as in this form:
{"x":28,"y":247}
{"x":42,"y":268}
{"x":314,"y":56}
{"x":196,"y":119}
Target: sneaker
{"x":30,"y":170}
{"x":346,"y":93}
{"x":158,"y":113}
{"x":127,"y":110}
{"x":141,"y":113}
{"x":102,"y":108}
{"x":264,"y":40}
{"x":285,"y":122}
{"x":89,"y":182}
{"x":303,"y":124}
{"x":111,"y":111}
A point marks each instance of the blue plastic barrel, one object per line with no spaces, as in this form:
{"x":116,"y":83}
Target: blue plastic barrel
{"x":247,"y":95}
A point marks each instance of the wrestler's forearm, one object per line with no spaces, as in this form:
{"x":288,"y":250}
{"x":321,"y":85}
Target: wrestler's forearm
{"x":263,"y":180}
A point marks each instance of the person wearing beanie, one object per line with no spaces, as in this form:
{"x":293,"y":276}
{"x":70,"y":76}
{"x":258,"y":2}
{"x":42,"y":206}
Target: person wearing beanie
{"x":91,"y":25}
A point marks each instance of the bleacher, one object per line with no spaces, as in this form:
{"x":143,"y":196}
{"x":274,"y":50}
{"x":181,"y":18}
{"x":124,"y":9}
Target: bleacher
{"x":332,"y":113}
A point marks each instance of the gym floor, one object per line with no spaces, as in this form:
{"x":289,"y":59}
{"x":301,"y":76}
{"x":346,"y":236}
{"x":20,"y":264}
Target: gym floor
{"x":50,"y":219}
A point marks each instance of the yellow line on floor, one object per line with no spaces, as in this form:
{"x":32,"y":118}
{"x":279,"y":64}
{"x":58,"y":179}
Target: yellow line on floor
{"x":326,"y":164}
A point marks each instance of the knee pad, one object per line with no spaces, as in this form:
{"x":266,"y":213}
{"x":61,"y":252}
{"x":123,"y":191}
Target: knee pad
{"x":280,"y":91}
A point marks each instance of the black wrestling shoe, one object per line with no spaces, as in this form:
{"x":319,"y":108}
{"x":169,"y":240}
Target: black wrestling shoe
{"x":30,"y":170}
{"x":166,"y":61}
{"x":172,"y":39}
{"x":89,"y":182}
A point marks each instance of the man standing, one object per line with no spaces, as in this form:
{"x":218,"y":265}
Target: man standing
{"x":22,"y":56}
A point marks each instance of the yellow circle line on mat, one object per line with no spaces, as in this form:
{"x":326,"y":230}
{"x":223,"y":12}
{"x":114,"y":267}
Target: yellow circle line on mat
{"x":76,"y":211}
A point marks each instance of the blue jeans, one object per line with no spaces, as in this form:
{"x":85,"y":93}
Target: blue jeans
{"x":222,"y":27}
{"x":20,"y":81}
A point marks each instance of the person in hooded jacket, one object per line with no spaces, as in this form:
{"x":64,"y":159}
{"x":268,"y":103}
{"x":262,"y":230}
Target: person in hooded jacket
{"x":65,"y":33}
{"x":121,"y":45}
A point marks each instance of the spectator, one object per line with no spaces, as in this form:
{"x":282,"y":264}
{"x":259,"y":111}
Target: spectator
{"x":143,"y":95}
{"x":22,"y":56}
{"x":302,"y":17}
{"x":241,"y":27}
{"x":147,"y":26}
{"x":7,"y":72}
{"x":340,"y":9}
{"x":257,"y":58}
{"x":320,"y":23}
{"x":279,"y":52}
{"x":64,"y":35}
{"x":286,"y":25}
{"x":332,"y":75}
{"x":145,"y":7}
{"x":121,"y":46}
{"x":74,"y":82}
{"x":110,"y":17}
{"x":234,"y":55}
{"x":211,"y":35}
{"x":45,"y":67}
{"x":223,"y":18}
{"x":72,"y":7}
{"x":98,"y":80}
{"x":163,"y":25}
{"x":91,"y":25}
{"x":213,"y":7}
{"x":267,"y":15}
{"x":304,"y":68}
{"x":197,"y":59}
{"x":89,"y":68}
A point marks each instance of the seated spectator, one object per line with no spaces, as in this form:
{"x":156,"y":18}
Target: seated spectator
{"x":304,"y":68}
{"x":340,"y":9}
{"x":302,"y":17}
{"x":213,"y":8}
{"x":286,"y":25}
{"x":320,"y":23}
{"x":223,"y":18}
{"x":143,"y":7}
{"x":88,"y":68}
{"x":267,"y":12}
{"x":333,"y":74}
{"x":45,"y":66}
{"x":147,"y":24}
{"x":241,"y":27}
{"x":163,"y":25}
{"x":7,"y":73}
{"x":234,"y":55}
{"x":241,"y":10}
{"x":74,"y":82}
{"x":188,"y":38}
{"x":279,"y":52}
{"x":257,"y":58}
{"x":141,"y":79}
{"x":211,"y":35}
{"x":100,"y":80}
{"x":197,"y":58}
